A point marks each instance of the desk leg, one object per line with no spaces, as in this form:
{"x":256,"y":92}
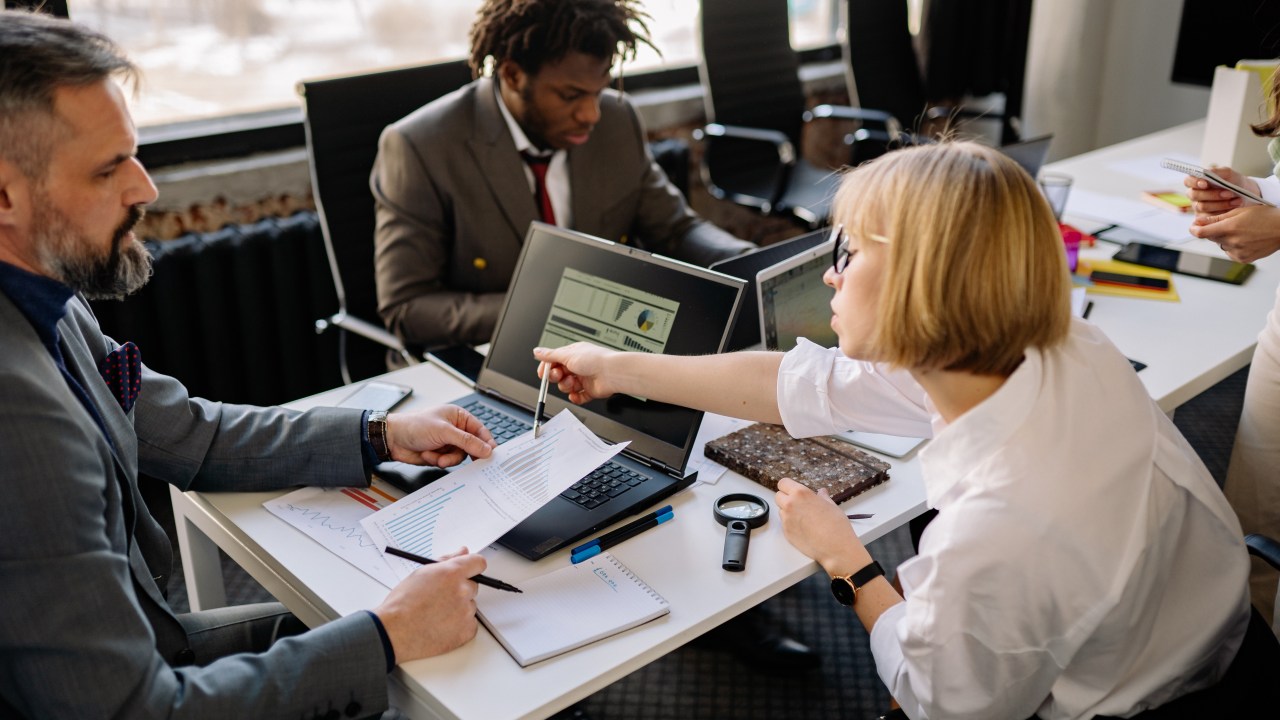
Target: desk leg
{"x":200,"y":561}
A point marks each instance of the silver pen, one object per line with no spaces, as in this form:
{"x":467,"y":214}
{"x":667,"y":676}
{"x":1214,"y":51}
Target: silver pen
{"x":542,"y":400}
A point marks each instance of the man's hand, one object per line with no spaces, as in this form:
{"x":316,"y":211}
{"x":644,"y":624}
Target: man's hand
{"x":578,"y":370}
{"x":433,"y":610}
{"x":442,"y":436}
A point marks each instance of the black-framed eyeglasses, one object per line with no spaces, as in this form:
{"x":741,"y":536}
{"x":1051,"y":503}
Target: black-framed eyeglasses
{"x":839,"y":249}
{"x":840,"y":252}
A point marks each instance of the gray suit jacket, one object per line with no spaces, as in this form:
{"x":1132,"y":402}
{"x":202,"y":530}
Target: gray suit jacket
{"x":453,"y":206}
{"x":85,"y":631}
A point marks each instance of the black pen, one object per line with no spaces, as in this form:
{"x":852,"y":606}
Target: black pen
{"x":542,"y":401}
{"x":482,"y":579}
{"x":860,"y":516}
{"x":1088,"y":308}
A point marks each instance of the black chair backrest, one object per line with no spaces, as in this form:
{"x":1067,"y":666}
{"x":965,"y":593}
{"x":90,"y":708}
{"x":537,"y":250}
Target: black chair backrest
{"x":344,"y":118}
{"x":880,"y":60}
{"x":750,"y":74}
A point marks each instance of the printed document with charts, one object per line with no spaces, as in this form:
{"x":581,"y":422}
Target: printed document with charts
{"x":478,"y":503}
{"x":568,"y":608}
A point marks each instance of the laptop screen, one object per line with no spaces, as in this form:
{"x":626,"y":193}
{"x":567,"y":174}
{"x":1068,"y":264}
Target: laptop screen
{"x":1030,"y":154}
{"x":746,"y":329}
{"x":795,"y":302}
{"x":569,"y":287}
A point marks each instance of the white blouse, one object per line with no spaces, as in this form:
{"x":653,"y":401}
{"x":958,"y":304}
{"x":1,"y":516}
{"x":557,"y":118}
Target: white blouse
{"x":1083,"y":560}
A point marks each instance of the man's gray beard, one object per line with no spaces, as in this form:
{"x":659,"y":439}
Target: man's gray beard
{"x":67,"y":257}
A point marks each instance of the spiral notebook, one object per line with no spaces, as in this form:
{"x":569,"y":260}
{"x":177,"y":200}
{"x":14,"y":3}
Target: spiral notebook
{"x":568,"y":608}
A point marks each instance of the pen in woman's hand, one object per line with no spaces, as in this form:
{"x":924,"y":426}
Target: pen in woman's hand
{"x":542,"y":399}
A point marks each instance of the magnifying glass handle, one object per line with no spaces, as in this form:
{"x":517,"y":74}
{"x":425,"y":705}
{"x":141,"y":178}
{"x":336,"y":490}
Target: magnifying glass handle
{"x":737,"y":537}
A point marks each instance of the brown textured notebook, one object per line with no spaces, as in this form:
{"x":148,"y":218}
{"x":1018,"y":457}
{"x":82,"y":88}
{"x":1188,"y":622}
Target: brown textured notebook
{"x":766,"y":453}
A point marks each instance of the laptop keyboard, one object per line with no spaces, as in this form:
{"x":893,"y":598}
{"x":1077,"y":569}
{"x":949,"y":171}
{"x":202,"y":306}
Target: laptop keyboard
{"x":603,"y":484}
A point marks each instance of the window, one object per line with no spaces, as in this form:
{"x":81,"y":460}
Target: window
{"x":207,"y":58}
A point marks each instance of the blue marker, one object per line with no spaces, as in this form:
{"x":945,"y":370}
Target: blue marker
{"x":604,"y":542}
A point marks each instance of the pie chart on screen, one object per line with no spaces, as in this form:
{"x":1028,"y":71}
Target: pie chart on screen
{"x":645,"y":321}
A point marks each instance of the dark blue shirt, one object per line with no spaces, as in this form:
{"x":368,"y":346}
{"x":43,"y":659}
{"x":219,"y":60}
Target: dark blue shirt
{"x":44,"y":303}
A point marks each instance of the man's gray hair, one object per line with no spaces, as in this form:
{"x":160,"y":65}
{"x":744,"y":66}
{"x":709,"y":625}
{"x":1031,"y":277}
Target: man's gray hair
{"x":39,"y":54}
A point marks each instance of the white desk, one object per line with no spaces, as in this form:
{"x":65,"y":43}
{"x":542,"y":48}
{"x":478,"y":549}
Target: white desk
{"x":1188,"y":347}
{"x":681,"y":560}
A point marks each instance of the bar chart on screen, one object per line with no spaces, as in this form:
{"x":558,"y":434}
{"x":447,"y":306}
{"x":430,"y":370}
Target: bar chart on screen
{"x":478,"y":503}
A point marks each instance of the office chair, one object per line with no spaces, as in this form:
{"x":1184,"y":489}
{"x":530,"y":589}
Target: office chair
{"x":882,"y":71}
{"x":755,"y":108}
{"x":344,"y":118}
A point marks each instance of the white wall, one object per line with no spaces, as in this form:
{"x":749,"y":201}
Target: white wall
{"x":1098,"y":73}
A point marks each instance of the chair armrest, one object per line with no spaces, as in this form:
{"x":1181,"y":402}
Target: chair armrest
{"x":780,"y":141}
{"x":1265,"y":548}
{"x":844,"y":112}
{"x":367,"y":330}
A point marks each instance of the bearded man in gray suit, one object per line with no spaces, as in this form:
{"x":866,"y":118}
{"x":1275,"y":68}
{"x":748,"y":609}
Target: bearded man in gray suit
{"x":85,"y":629}
{"x":455,"y":198}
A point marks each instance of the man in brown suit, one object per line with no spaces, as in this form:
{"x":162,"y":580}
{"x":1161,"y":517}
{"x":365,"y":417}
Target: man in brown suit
{"x":457,"y":182}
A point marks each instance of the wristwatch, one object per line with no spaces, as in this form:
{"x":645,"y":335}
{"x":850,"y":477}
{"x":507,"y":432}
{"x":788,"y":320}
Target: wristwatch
{"x":378,"y":435}
{"x":845,"y":587}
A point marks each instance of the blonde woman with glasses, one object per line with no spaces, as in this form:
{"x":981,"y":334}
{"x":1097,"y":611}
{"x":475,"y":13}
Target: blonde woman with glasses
{"x":1082,"y":562}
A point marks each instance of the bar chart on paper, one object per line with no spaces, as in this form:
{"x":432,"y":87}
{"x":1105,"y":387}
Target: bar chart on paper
{"x":415,"y":528}
{"x":475,"y":505}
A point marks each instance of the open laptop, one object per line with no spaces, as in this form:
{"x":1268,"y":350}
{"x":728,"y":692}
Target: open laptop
{"x":568,"y":287}
{"x":793,"y":302}
{"x":1030,"y":154}
{"x":746,"y":329}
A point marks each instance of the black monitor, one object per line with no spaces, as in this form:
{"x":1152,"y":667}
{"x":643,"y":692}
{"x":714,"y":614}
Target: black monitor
{"x":1221,"y":32}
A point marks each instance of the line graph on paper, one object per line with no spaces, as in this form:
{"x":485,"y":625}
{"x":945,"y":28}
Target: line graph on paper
{"x":331,"y":517}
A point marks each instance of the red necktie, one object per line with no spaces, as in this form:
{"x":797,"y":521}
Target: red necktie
{"x":539,"y":167}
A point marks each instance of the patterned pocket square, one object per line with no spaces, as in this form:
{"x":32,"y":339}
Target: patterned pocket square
{"x":122,"y":370}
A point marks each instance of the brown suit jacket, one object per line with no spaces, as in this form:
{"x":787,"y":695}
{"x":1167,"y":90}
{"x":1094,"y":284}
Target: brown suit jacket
{"x":453,"y":206}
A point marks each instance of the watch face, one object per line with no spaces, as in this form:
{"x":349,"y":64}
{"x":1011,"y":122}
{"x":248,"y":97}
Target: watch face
{"x":842,"y":589}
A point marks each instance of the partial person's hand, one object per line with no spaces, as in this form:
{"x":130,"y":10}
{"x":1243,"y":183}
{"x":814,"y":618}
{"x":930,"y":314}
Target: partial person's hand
{"x":1209,"y":199}
{"x":442,"y":436}
{"x":433,"y":610}
{"x":1246,"y":234}
{"x":578,"y":370}
{"x":817,"y":527}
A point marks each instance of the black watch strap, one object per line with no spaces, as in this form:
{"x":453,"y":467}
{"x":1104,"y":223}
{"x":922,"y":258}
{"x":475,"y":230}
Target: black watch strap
{"x":866,"y":575}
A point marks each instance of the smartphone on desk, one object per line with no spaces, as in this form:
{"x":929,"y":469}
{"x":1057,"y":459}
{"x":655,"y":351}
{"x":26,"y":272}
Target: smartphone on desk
{"x":376,"y":395}
{"x":1194,"y":264}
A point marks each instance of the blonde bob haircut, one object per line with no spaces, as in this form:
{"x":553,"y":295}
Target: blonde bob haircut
{"x":976,"y":271}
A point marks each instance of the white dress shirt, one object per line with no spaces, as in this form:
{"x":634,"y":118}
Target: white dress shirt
{"x":1083,"y":560}
{"x":1270,"y":188}
{"x":557,"y":180}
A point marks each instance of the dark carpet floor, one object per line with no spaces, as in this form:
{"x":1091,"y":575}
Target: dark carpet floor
{"x":702,"y":681}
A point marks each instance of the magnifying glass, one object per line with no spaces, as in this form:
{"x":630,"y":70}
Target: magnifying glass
{"x":739,"y":513}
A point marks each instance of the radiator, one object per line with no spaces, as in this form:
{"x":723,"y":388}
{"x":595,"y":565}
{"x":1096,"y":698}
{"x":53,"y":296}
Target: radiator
{"x":232,"y":313}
